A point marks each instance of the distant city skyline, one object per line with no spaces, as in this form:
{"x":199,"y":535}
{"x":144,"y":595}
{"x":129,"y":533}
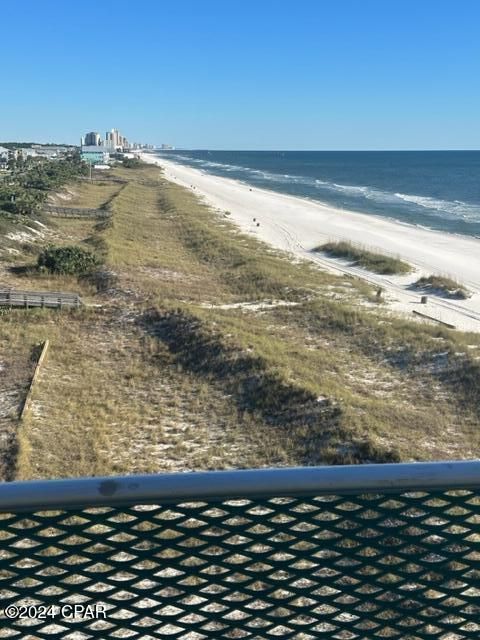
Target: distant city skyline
{"x":113,"y":139}
{"x":333,"y":75}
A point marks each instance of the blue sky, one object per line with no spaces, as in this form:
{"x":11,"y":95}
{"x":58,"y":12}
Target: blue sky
{"x":244,"y":74}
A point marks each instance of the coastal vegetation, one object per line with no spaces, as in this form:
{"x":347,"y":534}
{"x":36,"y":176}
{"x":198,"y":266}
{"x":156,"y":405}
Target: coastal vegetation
{"x":30,"y":182}
{"x":206,"y":349}
{"x":443,"y":286}
{"x":28,"y":145}
{"x":377,"y":262}
{"x":69,"y":260}
{"x":132,"y":163}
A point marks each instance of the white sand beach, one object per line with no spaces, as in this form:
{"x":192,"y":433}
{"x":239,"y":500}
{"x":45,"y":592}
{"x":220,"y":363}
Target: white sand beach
{"x":297,"y":225}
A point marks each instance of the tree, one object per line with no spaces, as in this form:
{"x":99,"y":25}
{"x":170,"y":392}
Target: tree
{"x":16,"y":199}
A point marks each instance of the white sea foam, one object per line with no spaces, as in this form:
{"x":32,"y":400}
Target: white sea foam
{"x":456,"y":208}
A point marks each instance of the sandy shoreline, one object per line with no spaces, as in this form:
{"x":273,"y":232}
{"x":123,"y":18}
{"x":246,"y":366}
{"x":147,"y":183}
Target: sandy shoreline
{"x":297,"y":225}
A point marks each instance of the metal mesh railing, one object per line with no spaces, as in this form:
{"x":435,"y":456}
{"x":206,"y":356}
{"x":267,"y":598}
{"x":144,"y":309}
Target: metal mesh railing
{"x":290,"y":558}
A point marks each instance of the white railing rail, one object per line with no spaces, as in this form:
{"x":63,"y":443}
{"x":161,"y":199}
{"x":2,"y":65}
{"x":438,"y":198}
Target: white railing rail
{"x":253,"y":483}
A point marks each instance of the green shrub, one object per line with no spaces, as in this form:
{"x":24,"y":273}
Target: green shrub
{"x":133,"y":163}
{"x":67,"y":260}
{"x":18,"y":200}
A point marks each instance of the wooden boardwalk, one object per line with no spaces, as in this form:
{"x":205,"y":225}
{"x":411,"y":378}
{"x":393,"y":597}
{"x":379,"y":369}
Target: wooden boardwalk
{"x":100,"y":178}
{"x":47,"y":299}
{"x":75,"y":212}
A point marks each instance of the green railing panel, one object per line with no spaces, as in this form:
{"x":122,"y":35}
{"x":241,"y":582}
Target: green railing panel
{"x":404,"y":565}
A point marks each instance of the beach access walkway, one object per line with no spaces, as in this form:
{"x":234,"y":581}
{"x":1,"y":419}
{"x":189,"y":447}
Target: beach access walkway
{"x":45,"y":299}
{"x":75,"y":212}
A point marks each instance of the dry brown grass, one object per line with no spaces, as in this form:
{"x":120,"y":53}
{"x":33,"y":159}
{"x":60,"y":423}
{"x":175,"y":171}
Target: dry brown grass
{"x":114,"y":401}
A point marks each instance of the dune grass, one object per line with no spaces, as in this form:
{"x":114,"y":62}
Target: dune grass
{"x":109,"y":400}
{"x":376,"y":262}
{"x":444,"y":286}
{"x":162,"y":376}
{"x":86,"y":195}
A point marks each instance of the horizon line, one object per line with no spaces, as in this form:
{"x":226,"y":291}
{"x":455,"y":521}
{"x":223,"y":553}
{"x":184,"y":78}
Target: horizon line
{"x":277,"y":149}
{"x":310,"y":150}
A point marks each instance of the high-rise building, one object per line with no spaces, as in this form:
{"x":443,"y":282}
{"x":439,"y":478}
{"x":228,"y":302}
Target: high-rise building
{"x":92,"y":139}
{"x":113,"y":138}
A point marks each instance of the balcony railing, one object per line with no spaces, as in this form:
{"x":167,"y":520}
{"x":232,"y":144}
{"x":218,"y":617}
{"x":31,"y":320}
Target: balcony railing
{"x":358,"y":552}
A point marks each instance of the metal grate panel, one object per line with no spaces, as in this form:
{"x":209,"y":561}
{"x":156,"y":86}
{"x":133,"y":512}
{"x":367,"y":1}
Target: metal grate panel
{"x":402,"y":565}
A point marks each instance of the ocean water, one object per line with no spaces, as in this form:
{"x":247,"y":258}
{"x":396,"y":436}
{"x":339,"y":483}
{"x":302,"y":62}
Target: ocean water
{"x":434,"y":189}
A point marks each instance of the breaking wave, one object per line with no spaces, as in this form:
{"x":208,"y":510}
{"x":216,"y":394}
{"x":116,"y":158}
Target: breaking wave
{"x":456,"y":208}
